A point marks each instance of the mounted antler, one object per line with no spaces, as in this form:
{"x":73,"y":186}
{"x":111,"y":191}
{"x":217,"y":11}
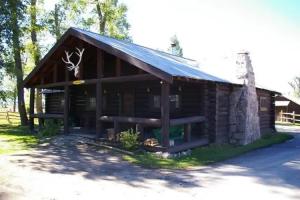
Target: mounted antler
{"x":70,"y":65}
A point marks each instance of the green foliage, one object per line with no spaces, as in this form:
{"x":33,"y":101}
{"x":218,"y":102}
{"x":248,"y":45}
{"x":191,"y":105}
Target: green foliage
{"x":129,"y":139}
{"x":206,"y":155}
{"x":175,"y":132}
{"x":51,"y":128}
{"x":175,"y":47}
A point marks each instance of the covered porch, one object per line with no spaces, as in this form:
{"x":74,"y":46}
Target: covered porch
{"x":111,"y":105}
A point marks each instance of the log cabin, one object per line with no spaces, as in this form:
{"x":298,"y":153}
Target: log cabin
{"x":284,"y":104}
{"x":120,"y":85}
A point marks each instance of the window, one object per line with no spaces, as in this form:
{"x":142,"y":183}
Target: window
{"x":263,"y":104}
{"x":174,"y":101}
{"x":92,"y":103}
{"x":156,"y":101}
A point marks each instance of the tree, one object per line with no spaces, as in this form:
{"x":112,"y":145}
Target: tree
{"x":175,"y":48}
{"x":295,"y":84}
{"x":12,"y":13}
{"x":55,"y":21}
{"x":34,"y":47}
{"x":112,"y":18}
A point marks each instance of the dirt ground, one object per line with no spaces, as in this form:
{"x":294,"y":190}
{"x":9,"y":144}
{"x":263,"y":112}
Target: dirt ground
{"x":65,"y":170}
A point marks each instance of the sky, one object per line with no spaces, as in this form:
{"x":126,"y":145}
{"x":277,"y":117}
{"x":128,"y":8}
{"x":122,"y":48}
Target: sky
{"x":214,"y":31}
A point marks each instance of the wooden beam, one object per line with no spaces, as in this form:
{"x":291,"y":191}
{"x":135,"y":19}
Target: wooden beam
{"x":31,"y":109}
{"x":165,"y":113}
{"x":116,"y":129}
{"x":133,"y":120}
{"x":47,"y":116}
{"x":118,"y":66}
{"x":68,"y":83}
{"x":99,"y":92}
{"x":131,"y":78}
{"x":81,"y":65}
{"x":187,"y":132}
{"x":55,"y":73}
{"x":66,"y":109}
{"x":67,"y":75}
{"x":100,"y":63}
{"x":187,"y":120}
{"x":140,"y":129}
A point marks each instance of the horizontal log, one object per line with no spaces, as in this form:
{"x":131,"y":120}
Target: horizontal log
{"x":134,"y":120}
{"x":186,"y":120}
{"x":189,"y":145}
{"x":47,"y":116}
{"x":139,"y":77}
{"x":131,"y":78}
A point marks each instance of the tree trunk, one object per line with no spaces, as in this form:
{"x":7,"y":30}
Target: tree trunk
{"x":35,"y":52}
{"x":15,"y":99}
{"x":18,"y":65}
{"x":56,"y":22}
{"x":101,"y":18}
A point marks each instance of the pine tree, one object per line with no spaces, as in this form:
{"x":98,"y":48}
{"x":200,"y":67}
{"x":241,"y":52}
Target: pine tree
{"x":175,"y":48}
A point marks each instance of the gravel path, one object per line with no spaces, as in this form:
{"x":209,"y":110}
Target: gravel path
{"x":67,"y":170}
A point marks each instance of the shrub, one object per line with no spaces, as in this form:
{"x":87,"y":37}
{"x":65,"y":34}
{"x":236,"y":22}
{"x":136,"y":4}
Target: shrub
{"x":129,"y":139}
{"x":50,"y":128}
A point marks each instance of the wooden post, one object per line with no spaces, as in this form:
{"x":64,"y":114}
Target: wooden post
{"x":41,"y":123}
{"x":99,"y":92}
{"x":118,"y":67}
{"x":66,"y":109}
{"x":116,"y":129}
{"x":31,"y":109}
{"x":81,"y":64}
{"x":55,"y":73}
{"x":66,"y":102}
{"x":165,"y":113}
{"x":140,"y":129}
{"x":187,"y":132}
{"x":293,"y":117}
{"x":281,"y":116}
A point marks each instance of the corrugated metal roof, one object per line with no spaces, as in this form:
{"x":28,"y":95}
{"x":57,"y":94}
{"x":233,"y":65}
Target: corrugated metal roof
{"x":173,"y":65}
{"x":282,"y":103}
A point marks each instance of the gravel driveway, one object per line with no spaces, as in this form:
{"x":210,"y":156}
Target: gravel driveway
{"x":67,"y":170}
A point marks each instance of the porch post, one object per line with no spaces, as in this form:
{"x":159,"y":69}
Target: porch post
{"x":66,"y":102}
{"x":187,"y":132}
{"x":165,"y":113}
{"x":31,"y":109}
{"x":66,"y":109}
{"x":99,"y":93}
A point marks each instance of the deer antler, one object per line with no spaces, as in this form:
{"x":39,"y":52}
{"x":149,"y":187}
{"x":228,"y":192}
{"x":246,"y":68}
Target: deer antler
{"x":79,"y":53}
{"x":71,"y":64}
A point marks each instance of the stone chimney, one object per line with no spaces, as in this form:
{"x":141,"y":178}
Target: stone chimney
{"x":244,"y":119}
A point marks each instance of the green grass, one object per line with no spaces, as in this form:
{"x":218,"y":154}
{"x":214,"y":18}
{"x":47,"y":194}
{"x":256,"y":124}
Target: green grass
{"x":13,"y":137}
{"x":205,"y":155}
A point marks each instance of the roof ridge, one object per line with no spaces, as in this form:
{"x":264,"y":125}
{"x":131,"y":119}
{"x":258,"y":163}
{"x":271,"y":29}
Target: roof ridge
{"x":161,"y":51}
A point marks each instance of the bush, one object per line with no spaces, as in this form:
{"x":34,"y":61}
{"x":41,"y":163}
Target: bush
{"x":129,"y":139}
{"x":50,"y":128}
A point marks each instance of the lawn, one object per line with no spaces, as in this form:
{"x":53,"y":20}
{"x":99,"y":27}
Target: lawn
{"x":13,"y":137}
{"x":205,"y":155}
